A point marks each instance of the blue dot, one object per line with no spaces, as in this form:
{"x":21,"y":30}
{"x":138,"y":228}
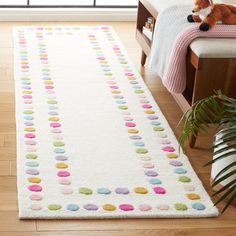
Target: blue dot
{"x":156,"y":123}
{"x":137,"y":87}
{"x":139,"y":144}
{"x":26,"y":82}
{"x":28,"y":117}
{"x":198,"y":206}
{"x":104,"y":191}
{"x":180,"y":171}
{"x":121,"y":102}
{"x":52,"y":107}
{"x":134,"y":82}
{"x":155,"y":181}
{"x":32,"y":164}
{"x":59,"y":150}
{"x":72,"y":207}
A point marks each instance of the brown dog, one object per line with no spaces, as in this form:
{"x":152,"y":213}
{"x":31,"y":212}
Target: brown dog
{"x":209,"y":14}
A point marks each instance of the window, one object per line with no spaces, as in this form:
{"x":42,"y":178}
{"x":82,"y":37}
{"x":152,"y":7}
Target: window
{"x":68,"y":3}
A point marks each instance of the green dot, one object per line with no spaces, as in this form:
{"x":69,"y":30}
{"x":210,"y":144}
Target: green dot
{"x":141,"y":150}
{"x":54,"y":207}
{"x":123,"y":62}
{"x":158,"y":128}
{"x":31,"y":156}
{"x":122,"y":107}
{"x":28,"y":112}
{"x":181,"y":207}
{"x":86,"y":191}
{"x":24,"y":78}
{"x":108,"y":74}
{"x":184,"y":179}
{"x":58,"y":144}
{"x":52,"y":102}
{"x":139,"y":91}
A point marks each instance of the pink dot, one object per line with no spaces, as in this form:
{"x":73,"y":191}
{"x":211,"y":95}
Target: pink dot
{"x":116,"y":48}
{"x":168,"y":149}
{"x":130,"y":124}
{"x":43,"y":58}
{"x":145,"y":207}
{"x":126,"y":207}
{"x":104,"y":27}
{"x":63,"y":173}
{"x":144,"y":101}
{"x":114,"y":87}
{"x":129,"y":74}
{"x":147,"y":106}
{"x":49,"y":87}
{"x":29,"y":135}
{"x":36,"y":197}
{"x":101,"y":58}
{"x":159,"y":190}
{"x":28,"y":101}
{"x":27,"y":96}
{"x":35,"y":188}
{"x":55,"y":125}
{"x":30,"y":142}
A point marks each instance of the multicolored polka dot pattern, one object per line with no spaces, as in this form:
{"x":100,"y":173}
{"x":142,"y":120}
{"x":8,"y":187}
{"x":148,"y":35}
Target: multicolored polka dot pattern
{"x":70,"y":198}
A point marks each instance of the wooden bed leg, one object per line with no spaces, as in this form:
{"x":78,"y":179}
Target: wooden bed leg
{"x":143,"y":58}
{"x":192,"y":141}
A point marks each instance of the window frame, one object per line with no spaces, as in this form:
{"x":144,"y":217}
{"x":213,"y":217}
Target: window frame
{"x":68,"y":6}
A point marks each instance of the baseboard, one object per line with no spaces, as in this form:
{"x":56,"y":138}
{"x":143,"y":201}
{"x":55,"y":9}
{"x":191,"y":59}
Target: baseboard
{"x":67,"y":14}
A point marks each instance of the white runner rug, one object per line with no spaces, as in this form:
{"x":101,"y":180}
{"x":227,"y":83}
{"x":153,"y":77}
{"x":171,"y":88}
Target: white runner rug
{"x":91,"y":141}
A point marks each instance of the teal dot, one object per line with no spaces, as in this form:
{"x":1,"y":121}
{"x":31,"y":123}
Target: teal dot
{"x":155,"y":181}
{"x":72,"y":207}
{"x":180,"y":171}
{"x":155,"y":123}
{"x":198,"y":206}
{"x":103,"y":191}
{"x":139,"y":144}
{"x":32,"y":164}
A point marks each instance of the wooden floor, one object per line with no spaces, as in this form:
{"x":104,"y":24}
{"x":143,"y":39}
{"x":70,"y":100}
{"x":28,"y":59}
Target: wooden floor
{"x":9,"y":222}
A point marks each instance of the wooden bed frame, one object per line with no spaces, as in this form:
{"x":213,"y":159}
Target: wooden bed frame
{"x":204,"y":75}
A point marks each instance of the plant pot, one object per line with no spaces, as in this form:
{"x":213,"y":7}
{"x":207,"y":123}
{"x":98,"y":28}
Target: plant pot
{"x":218,"y":166}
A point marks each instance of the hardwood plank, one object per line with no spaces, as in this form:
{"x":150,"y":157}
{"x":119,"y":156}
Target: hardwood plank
{"x":5,"y":168}
{"x":10,"y":222}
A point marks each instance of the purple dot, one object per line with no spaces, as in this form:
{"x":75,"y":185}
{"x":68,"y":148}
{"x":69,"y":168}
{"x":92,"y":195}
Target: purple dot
{"x":151,"y":173}
{"x":176,"y":163}
{"x":135,"y":137}
{"x":152,"y":117}
{"x":122,"y":191}
{"x":90,"y":207}
{"x":61,"y":158}
{"x":32,"y":172}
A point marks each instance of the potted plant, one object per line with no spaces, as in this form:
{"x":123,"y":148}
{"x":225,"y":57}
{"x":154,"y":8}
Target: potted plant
{"x":220,"y":110}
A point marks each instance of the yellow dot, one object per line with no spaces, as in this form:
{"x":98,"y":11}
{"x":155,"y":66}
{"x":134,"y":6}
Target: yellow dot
{"x":53,"y":118}
{"x":27,"y":92}
{"x":61,"y":165}
{"x":172,"y":155}
{"x":193,"y":196}
{"x":133,"y":131}
{"x":141,"y":190}
{"x":103,"y":62}
{"x":109,"y":207}
{"x":30,"y":129}
{"x":34,"y":180}
{"x":131,"y":78}
{"x":48,"y":82}
{"x":149,"y":111}
{"x":115,"y":92}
